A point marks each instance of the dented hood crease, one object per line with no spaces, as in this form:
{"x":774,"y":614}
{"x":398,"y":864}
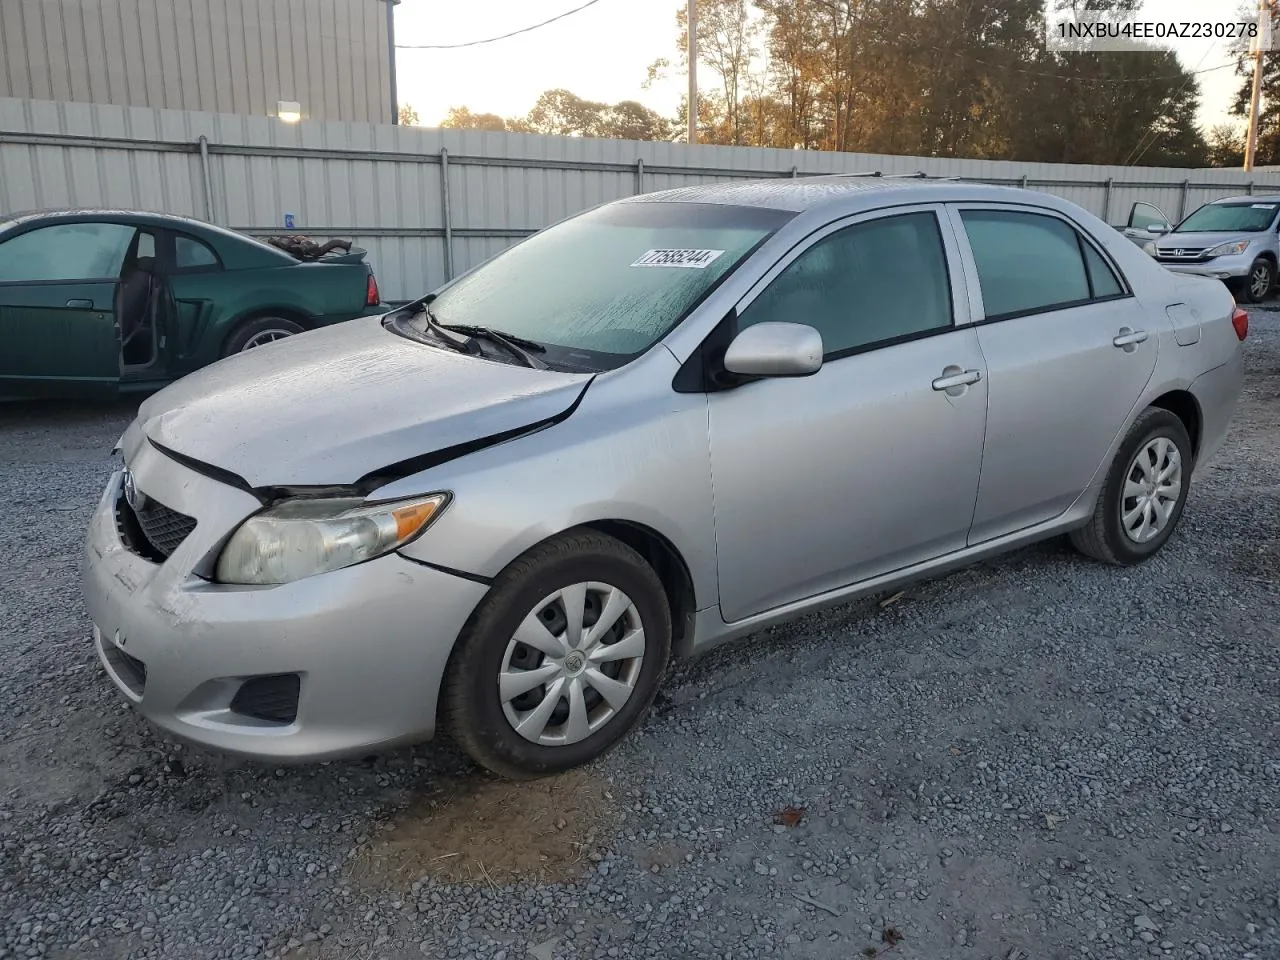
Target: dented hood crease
{"x":336,"y":405}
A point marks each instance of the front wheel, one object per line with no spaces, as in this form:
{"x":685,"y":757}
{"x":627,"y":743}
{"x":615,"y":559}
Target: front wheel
{"x":1146,"y":489}
{"x":1256,"y":287}
{"x":561,"y":660}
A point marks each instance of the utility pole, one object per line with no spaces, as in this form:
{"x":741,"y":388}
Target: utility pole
{"x":391,"y":58}
{"x":1255,"y":95}
{"x":693,"y":72}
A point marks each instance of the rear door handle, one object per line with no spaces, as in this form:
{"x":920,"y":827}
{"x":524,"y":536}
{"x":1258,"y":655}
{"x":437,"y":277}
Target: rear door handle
{"x":953,"y":380}
{"x":1128,"y":338}
{"x":80,"y":304}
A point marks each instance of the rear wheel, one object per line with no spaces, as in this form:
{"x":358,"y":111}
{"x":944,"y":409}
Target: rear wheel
{"x":1146,"y":489}
{"x":1256,"y":287}
{"x":258,"y":332}
{"x":561,"y":660}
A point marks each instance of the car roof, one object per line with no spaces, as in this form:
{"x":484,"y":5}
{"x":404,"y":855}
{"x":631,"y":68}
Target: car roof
{"x":76,"y":213}
{"x":800,"y":194}
{"x":1250,"y":198}
{"x":172,"y":221}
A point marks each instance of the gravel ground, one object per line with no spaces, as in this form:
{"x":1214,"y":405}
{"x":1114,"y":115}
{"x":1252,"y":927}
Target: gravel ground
{"x":1035,"y":758}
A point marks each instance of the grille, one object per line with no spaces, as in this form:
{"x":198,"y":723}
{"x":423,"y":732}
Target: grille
{"x":154,"y":531}
{"x":273,"y":698}
{"x":1186,"y":255}
{"x":131,"y":671}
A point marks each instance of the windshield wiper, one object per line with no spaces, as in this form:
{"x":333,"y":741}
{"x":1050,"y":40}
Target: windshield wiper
{"x":449,"y":338}
{"x":518,"y":347}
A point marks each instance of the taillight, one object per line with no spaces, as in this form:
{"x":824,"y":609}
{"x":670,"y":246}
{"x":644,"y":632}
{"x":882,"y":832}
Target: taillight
{"x":371,"y":296}
{"x":1240,"y":320}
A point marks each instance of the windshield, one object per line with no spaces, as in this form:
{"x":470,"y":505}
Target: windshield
{"x":1229,"y":218}
{"x":603,"y":287}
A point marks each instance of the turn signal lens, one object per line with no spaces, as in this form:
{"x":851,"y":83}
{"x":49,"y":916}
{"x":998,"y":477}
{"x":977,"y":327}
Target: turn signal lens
{"x":411,"y":519}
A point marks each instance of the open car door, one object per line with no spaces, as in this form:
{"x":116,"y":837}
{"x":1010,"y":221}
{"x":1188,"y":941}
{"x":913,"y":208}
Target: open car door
{"x":1146,"y":222}
{"x":58,"y":330}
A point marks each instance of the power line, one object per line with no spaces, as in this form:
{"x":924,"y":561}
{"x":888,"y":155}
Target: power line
{"x":513,"y":33}
{"x":1154,"y":133}
{"x":1100,"y":80}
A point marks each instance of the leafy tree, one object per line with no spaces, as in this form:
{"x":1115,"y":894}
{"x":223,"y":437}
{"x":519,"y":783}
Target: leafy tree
{"x":629,"y":120}
{"x":728,"y":43}
{"x":936,"y":78}
{"x":1132,"y":108}
{"x":1226,"y":146}
{"x":1267,"y":152}
{"x":408,"y":116}
{"x":561,"y":113}
{"x":461,"y":118}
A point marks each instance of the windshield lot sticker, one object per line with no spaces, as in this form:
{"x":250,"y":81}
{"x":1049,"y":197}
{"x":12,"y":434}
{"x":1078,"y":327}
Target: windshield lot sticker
{"x":688,"y":259}
{"x":1263,"y":206}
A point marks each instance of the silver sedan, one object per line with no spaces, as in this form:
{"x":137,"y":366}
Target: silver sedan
{"x":656,"y":426}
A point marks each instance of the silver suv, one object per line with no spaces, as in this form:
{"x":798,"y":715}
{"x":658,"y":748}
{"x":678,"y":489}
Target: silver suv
{"x":1234,"y":239}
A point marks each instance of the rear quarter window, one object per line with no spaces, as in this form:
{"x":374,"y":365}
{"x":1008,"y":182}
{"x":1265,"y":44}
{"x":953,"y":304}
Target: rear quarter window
{"x":1031,"y":262}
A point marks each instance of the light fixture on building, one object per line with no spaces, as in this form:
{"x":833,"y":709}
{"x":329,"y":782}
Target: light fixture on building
{"x":289,"y":111}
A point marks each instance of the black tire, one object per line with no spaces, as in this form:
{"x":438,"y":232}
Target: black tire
{"x":1104,"y":537}
{"x":471,"y":705}
{"x":1262,"y":277}
{"x":247,"y":331}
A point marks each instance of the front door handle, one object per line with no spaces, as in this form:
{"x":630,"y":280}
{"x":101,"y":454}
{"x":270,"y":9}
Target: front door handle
{"x":1129,"y":338}
{"x":949,"y":381}
{"x":80,"y":304}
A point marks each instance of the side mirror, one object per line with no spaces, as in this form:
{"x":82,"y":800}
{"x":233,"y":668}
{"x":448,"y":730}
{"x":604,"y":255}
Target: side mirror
{"x":1159,"y":229}
{"x":775,"y":350}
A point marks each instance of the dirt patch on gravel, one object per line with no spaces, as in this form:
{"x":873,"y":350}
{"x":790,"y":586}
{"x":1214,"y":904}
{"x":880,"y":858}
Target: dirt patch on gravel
{"x":479,"y":831}
{"x":1259,"y":561}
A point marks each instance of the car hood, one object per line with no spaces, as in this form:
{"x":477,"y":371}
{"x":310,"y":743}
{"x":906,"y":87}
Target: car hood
{"x":347,"y":403}
{"x":1201,"y":241}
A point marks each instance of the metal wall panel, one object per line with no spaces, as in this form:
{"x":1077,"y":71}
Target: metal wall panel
{"x":381,"y":185}
{"x":233,"y":56}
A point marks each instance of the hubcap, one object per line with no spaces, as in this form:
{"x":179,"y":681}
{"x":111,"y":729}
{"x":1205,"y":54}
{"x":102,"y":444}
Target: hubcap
{"x":1151,"y":490}
{"x":573,"y":663}
{"x":266,"y":336}
{"x":1260,"y":281}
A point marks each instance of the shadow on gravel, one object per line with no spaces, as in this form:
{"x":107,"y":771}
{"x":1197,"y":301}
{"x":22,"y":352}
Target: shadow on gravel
{"x":48,"y":413}
{"x":475,"y":830}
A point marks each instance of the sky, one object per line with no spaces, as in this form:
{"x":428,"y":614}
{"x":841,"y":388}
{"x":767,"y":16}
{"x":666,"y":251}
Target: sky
{"x":602,"y":53}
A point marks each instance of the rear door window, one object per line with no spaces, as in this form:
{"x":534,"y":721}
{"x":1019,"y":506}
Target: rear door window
{"x":1027,"y":262}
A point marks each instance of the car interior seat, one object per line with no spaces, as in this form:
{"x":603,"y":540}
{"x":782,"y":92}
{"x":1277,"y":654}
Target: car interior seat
{"x":135,"y":310}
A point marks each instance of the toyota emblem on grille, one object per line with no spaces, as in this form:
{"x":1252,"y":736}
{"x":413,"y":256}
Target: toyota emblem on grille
{"x":135,"y":498}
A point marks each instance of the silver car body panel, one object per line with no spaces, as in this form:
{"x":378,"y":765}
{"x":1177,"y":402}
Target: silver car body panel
{"x":384,"y":400}
{"x":779,"y":497}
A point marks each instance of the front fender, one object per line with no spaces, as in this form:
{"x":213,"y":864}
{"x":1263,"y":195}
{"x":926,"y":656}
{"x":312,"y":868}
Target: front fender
{"x":628,"y":453}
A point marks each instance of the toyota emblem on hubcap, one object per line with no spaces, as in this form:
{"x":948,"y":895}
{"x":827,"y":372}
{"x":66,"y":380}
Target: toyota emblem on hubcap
{"x":575,"y":662}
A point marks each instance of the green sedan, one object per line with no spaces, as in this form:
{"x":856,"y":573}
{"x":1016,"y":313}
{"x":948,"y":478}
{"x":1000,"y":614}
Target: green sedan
{"x":99,"y":302}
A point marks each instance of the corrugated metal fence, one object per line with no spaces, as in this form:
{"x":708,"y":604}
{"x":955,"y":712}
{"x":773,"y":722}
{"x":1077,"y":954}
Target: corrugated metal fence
{"x":429,"y":204}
